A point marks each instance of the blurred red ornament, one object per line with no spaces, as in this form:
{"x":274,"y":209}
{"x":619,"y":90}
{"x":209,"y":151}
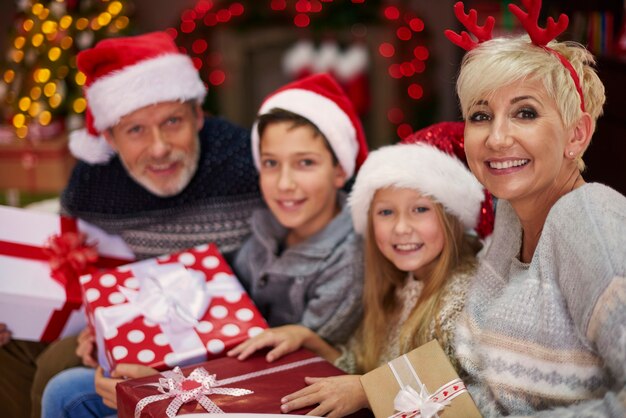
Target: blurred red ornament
{"x":217,"y":77}
{"x":403,"y":33}
{"x":415,"y":91}
{"x":404,"y":130}
{"x":301,"y":20}
{"x":392,"y":13}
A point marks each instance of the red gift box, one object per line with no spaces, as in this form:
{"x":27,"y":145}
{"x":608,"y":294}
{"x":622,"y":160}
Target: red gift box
{"x":175,"y":310}
{"x":42,"y":256}
{"x":249,"y":386}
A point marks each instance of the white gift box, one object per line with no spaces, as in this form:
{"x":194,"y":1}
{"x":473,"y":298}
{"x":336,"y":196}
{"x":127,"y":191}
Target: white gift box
{"x":32,"y":303}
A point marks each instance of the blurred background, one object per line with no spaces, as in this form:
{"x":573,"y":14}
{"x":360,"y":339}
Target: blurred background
{"x":390,"y":56}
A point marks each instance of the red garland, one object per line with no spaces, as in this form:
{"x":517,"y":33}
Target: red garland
{"x":212,"y":13}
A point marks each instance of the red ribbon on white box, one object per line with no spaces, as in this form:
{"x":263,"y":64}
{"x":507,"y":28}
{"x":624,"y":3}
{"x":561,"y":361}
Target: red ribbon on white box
{"x":69,"y":257}
{"x":201,"y":383}
{"x":413,"y":404}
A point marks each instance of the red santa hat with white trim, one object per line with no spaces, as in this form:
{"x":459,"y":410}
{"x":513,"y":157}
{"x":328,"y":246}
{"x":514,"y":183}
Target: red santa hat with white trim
{"x":321,"y":100}
{"x":127,"y":74}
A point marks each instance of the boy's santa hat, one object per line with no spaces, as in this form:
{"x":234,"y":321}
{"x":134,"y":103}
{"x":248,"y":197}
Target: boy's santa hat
{"x":127,"y":74}
{"x":428,"y":165}
{"x":321,"y":100}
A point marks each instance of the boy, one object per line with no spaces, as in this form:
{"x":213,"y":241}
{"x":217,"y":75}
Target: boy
{"x":303,"y":263}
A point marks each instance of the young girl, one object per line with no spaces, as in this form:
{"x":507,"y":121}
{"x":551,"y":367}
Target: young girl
{"x":415,"y":204}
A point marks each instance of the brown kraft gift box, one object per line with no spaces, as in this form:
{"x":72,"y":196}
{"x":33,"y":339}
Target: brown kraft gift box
{"x":432,"y":368}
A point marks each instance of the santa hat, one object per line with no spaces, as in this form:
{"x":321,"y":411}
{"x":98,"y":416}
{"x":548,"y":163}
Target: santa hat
{"x":428,"y":166}
{"x":321,"y":100}
{"x":127,"y":74}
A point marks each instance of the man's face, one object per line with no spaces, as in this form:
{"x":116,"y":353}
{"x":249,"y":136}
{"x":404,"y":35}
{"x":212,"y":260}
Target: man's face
{"x":159,"y":145}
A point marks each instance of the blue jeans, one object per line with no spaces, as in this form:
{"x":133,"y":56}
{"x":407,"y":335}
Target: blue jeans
{"x":72,"y":394}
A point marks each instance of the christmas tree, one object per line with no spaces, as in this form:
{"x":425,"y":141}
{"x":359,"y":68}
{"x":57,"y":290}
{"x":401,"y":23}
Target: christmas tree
{"x":39,"y":82}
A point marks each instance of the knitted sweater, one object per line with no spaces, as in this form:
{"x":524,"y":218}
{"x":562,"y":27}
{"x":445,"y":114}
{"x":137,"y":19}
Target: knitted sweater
{"x":548,"y":338}
{"x":317,"y":283}
{"x":452,"y":302}
{"x":215,"y":206}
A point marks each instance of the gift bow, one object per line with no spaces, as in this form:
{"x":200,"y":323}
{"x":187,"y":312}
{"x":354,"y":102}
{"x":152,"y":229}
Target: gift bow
{"x":183,"y":389}
{"x":70,"y":255}
{"x":410,"y":404}
{"x":168,"y":294}
{"x":192,"y":384}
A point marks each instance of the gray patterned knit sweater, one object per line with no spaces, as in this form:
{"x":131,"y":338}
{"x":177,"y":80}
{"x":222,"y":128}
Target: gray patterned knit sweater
{"x":548,"y":338}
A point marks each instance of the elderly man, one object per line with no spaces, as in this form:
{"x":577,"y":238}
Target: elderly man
{"x":154,"y":170}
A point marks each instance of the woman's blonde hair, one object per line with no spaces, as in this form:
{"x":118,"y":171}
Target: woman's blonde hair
{"x":501,"y":61}
{"x":383,"y":278}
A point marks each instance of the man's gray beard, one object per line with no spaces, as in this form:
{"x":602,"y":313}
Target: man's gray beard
{"x":187,"y":175}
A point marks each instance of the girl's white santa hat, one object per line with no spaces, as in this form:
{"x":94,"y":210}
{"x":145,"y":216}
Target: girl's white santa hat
{"x":422,"y":167}
{"x":321,"y":100}
{"x":127,"y":74}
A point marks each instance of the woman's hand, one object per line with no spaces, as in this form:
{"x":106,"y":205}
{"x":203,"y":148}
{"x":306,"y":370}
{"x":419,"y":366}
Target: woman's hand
{"x":337,"y":396}
{"x":105,"y":386}
{"x":284,"y":340}
{"x":86,"y":348}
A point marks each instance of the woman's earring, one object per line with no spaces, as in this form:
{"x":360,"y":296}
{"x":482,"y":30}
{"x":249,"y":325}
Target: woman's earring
{"x":571,"y":153}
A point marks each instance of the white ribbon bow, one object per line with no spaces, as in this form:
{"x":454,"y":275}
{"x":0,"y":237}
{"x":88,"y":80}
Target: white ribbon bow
{"x":183,"y":389}
{"x":410,"y":404}
{"x":168,"y":294}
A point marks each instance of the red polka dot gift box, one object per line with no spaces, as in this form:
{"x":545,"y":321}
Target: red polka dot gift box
{"x":170,"y":311}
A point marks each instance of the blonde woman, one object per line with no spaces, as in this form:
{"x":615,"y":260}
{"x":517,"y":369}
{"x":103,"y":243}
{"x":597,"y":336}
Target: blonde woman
{"x":414,"y":203}
{"x":544,"y":328}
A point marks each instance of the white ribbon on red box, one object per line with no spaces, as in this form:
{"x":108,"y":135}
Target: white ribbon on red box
{"x":170,"y":295}
{"x":200,"y":383}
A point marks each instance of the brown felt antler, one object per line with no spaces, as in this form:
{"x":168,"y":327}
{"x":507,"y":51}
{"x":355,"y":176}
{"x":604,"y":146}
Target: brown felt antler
{"x":470,"y":21}
{"x":530,"y":22}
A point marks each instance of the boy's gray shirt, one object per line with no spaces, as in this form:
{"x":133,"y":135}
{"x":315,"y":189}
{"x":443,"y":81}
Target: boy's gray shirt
{"x":317,"y":283}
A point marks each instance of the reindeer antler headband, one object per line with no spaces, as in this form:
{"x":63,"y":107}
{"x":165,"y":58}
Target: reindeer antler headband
{"x":529,"y":20}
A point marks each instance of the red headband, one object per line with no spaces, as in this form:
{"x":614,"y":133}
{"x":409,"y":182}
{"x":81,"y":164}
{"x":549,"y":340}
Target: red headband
{"x":539,"y":36}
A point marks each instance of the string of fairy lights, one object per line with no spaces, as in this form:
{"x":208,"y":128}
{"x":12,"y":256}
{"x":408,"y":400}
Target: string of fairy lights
{"x":402,"y":66}
{"x":40,"y":79}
